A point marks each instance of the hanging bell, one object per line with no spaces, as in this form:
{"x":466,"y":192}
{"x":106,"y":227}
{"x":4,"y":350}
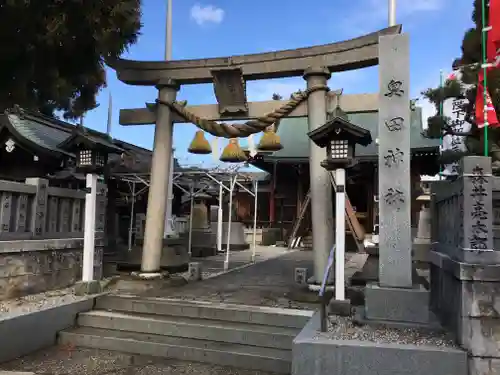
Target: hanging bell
{"x":233,"y":153}
{"x":270,"y":141}
{"x":199,"y":145}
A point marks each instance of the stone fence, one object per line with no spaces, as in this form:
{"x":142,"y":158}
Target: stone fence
{"x":34,"y":210}
{"x":41,"y":236}
{"x":465,"y":261}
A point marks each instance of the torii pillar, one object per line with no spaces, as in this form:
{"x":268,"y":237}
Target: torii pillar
{"x":159,"y":180}
{"x":320,"y":184}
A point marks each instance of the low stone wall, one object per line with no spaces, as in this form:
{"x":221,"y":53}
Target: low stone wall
{"x":35,"y":266}
{"x":30,"y":332}
{"x":314,"y":354}
{"x":466,"y":298}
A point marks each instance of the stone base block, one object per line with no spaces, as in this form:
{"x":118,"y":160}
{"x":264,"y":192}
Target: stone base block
{"x":314,"y":353}
{"x":203,"y":243}
{"x":397,"y":304}
{"x":433,"y":326}
{"x":83,"y":288}
{"x":140,"y":275}
{"x":342,"y":308}
{"x":174,"y":257}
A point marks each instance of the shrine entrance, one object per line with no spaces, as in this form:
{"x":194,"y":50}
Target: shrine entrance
{"x":229,"y":75}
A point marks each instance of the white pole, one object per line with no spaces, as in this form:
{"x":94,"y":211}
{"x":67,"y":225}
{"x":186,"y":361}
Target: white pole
{"x":132,"y":214}
{"x":254,"y":239}
{"x":219,"y":220}
{"x":340,"y":234}
{"x":392,"y":12}
{"x":168,"y":32}
{"x":169,"y":225}
{"x":231,"y":187}
{"x":89,"y":234}
{"x":190,"y":236}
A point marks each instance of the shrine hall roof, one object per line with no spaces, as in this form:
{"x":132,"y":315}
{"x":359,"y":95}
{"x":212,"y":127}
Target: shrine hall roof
{"x":293,"y":135}
{"x":44,"y":134}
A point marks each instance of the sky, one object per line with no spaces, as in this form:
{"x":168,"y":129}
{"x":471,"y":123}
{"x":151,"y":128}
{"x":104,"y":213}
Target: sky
{"x":216,"y":28}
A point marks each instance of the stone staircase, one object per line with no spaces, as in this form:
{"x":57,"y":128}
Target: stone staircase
{"x":250,"y":337}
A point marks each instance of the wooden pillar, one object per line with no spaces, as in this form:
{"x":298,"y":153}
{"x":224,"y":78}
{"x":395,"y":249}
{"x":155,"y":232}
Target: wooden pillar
{"x":272,"y":198}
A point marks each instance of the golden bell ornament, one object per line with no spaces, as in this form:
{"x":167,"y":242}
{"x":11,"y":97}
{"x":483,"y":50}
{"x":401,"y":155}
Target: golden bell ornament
{"x":233,"y":153}
{"x":270,"y":141}
{"x":199,"y":145}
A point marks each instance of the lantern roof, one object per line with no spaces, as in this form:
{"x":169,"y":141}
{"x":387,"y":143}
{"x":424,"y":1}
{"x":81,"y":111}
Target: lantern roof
{"x":340,"y":127}
{"x":83,"y":137}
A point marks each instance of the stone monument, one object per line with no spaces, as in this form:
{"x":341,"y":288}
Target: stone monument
{"x":395,"y":297}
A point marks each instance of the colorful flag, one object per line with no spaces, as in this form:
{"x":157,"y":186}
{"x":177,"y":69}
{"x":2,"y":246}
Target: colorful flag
{"x":485,"y":112}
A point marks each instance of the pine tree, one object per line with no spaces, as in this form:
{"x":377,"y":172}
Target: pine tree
{"x":54,"y":51}
{"x":470,"y":64}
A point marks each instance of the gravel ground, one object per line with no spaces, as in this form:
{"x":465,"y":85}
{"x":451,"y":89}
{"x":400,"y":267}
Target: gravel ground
{"x":342,"y":328}
{"x":64,"y":360}
{"x":34,"y":302}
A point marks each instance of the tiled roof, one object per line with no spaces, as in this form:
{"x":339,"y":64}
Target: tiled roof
{"x":293,"y":135}
{"x":49,"y":133}
{"x":38,"y":132}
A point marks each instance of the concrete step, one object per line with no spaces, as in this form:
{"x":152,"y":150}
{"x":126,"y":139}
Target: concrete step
{"x":203,"y":329}
{"x":226,"y":354}
{"x":268,"y":316}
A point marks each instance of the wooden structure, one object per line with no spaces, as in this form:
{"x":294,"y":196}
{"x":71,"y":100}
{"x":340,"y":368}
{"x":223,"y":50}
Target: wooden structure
{"x":31,"y":151}
{"x":282,"y":196}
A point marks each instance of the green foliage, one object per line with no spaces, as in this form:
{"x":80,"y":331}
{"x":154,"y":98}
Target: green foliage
{"x":53,"y":51}
{"x":471,"y":54}
{"x":435,"y":126}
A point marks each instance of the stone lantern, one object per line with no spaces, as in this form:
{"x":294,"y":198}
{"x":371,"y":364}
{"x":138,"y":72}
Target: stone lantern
{"x":339,"y":137}
{"x":91,"y":150}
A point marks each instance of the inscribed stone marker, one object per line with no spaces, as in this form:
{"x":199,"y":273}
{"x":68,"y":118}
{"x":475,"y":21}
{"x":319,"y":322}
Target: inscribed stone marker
{"x":394,"y":163}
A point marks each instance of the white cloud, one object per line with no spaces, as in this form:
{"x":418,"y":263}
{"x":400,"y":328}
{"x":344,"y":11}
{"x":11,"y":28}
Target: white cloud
{"x":206,"y":14}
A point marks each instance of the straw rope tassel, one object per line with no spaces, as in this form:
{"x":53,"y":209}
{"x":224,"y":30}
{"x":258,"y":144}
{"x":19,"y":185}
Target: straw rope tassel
{"x":233,"y":153}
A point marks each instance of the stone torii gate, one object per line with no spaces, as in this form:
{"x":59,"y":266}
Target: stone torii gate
{"x":229,"y":75}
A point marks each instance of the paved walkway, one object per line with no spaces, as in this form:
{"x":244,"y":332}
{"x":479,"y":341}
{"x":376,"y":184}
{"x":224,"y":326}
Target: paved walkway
{"x":268,"y":282}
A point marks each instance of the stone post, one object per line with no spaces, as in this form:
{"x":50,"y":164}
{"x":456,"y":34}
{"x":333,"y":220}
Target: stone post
{"x":395,"y":244}
{"x":395,"y":298}
{"x":160,"y":171}
{"x":39,"y":208}
{"x":321,"y":188}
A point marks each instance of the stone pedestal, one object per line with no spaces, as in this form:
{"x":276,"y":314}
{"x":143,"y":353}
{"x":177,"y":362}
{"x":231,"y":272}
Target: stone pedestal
{"x":237,"y":239}
{"x":203,"y":239}
{"x":466,"y":298}
{"x":174,"y":257}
